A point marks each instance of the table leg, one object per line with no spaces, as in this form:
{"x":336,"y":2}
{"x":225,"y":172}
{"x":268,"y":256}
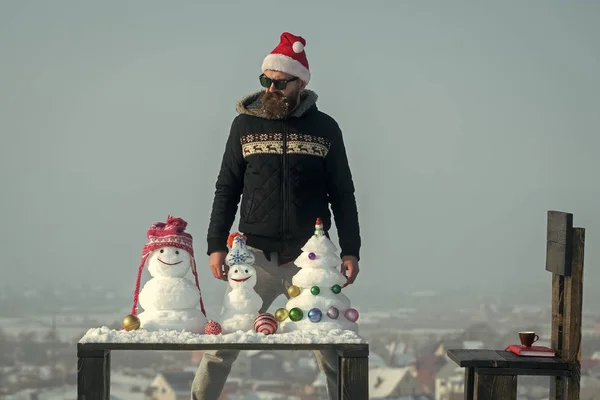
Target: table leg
{"x":558,"y":388}
{"x":469,"y":383}
{"x":353,"y":375}
{"x":93,"y":375}
{"x":495,"y":387}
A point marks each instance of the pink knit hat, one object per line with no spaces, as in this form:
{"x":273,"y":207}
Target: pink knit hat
{"x":169,"y":234}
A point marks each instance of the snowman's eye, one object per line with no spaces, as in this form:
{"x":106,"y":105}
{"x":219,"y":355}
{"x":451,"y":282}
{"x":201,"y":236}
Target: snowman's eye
{"x":236,"y":271}
{"x":176,"y":251}
{"x":246,"y":271}
{"x":162,"y":250}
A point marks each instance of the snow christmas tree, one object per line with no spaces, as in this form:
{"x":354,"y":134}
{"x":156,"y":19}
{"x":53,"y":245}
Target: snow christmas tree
{"x":316,"y":298}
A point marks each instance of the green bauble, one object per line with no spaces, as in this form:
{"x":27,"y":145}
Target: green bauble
{"x":336,"y":289}
{"x":315,"y":290}
{"x":296,"y":314}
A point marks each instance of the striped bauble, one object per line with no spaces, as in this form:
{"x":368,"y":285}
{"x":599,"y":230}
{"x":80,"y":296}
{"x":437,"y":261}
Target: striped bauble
{"x":265,"y":323}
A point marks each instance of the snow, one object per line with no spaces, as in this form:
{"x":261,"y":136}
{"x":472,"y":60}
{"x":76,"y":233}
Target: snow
{"x":190,"y":320}
{"x":106,"y":335}
{"x":56,"y":393}
{"x":326,"y":323}
{"x":324,"y":277}
{"x":168,"y":293}
{"x":326,"y":250}
{"x":121,"y":388}
{"x":231,"y":321}
{"x":243,"y":300}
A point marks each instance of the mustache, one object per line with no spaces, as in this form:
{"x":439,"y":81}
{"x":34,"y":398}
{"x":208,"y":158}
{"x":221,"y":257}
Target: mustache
{"x":270,"y":96}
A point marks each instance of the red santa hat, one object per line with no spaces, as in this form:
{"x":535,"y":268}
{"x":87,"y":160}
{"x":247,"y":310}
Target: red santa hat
{"x":169,"y":234}
{"x":289,"y":57}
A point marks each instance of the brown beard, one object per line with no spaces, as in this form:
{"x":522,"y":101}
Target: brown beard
{"x":277,"y":106}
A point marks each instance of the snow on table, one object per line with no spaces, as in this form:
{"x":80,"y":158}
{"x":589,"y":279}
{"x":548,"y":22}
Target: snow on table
{"x":106,"y":335}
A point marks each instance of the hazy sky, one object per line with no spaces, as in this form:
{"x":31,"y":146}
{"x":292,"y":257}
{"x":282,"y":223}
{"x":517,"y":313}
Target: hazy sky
{"x":464,"y":124}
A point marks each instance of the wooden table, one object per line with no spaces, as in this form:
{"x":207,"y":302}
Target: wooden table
{"x":492,"y":374}
{"x":93,"y":364}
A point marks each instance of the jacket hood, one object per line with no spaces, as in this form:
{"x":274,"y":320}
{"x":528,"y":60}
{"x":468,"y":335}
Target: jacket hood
{"x":250,"y":105}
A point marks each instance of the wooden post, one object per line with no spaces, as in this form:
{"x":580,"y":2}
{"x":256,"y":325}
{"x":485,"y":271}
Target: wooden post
{"x":495,"y":387}
{"x":573,"y":310}
{"x":564,"y":258}
{"x":93,"y":374}
{"x":558,"y":243}
{"x":353,"y":374}
{"x":557,"y":383}
{"x":469,"y":391}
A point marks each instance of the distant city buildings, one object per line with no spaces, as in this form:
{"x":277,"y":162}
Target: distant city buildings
{"x":407,"y":359}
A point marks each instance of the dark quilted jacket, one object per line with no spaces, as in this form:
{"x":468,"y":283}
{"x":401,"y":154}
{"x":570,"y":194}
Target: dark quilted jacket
{"x":288,"y":172}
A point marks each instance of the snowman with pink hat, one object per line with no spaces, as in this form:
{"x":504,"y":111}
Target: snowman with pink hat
{"x":170,"y":300}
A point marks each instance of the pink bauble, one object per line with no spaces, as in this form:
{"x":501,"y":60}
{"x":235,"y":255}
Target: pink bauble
{"x":265,"y":323}
{"x":351,"y":314}
{"x":212,"y":328}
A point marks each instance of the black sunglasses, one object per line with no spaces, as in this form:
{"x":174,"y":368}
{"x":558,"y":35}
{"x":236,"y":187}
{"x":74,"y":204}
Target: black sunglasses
{"x":280,"y":84}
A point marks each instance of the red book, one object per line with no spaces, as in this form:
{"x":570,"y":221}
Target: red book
{"x":533,"y":351}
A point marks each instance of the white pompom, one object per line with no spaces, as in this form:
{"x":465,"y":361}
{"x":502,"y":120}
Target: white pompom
{"x":298,"y":47}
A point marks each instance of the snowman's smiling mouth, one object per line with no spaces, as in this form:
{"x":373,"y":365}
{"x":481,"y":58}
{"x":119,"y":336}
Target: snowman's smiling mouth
{"x":166,"y":263}
{"x":240,"y":280}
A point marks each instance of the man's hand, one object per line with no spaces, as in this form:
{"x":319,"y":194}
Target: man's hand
{"x":216,"y":261}
{"x":349,"y":269}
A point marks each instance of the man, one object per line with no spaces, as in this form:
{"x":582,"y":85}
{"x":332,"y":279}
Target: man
{"x":288,"y":162}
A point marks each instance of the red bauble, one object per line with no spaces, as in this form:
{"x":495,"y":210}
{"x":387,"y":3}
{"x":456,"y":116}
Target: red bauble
{"x":212,"y":328}
{"x":265,"y":323}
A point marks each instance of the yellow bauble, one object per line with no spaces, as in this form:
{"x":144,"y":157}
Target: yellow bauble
{"x":293,"y":291}
{"x":131,"y":322}
{"x":281,"y":314}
